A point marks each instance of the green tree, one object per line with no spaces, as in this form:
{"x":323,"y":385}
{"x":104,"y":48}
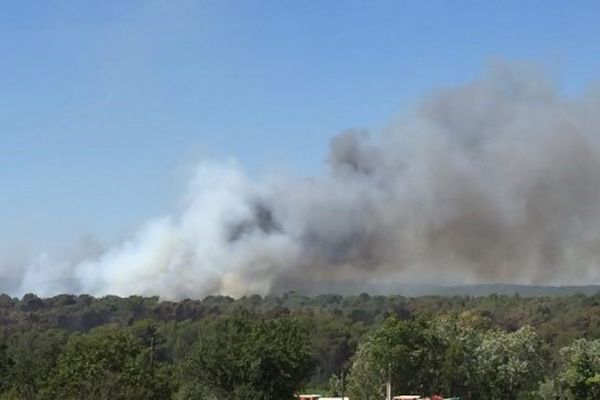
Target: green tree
{"x":33,"y":357}
{"x":6,"y":364}
{"x":106,"y":365}
{"x":509,"y":364}
{"x":407,"y":352}
{"x":580,"y":370}
{"x":461,"y":335}
{"x":246,"y":356}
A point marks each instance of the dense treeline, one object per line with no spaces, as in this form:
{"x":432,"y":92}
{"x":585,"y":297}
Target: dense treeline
{"x":494,"y":347}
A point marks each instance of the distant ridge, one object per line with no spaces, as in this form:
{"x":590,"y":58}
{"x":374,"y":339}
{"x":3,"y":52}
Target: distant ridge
{"x":412,"y":290}
{"x":511,"y":289}
{"x":416,"y":290}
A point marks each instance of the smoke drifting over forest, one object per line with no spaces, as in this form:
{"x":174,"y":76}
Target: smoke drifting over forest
{"x":494,"y":181}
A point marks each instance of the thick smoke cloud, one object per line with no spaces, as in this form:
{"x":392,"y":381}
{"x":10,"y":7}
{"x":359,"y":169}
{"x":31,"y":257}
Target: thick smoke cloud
{"x":494,"y":181}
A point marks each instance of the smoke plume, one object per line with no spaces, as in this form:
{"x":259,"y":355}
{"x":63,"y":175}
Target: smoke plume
{"x":494,"y":181}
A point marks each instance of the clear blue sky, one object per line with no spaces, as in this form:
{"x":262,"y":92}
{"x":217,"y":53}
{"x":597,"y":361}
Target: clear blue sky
{"x":104,"y":105}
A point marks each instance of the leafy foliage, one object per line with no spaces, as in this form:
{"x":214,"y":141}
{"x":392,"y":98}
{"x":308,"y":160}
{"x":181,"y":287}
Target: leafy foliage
{"x":246,"y":356}
{"x":509,"y":363}
{"x":580,"y":374}
{"x":406,"y":352}
{"x":492,"y":347}
{"x":105,"y":365}
{"x":445,"y":356}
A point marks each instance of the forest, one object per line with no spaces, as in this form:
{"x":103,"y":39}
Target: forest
{"x":274,"y":347}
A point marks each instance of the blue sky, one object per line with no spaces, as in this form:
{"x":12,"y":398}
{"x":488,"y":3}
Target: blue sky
{"x":106,"y":105}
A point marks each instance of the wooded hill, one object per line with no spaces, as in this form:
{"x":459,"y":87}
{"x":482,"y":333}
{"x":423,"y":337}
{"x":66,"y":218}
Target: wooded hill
{"x":111,"y":347}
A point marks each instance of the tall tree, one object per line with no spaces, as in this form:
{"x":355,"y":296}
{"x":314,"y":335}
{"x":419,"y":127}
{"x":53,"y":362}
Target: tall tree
{"x":580,"y":372}
{"x":461,"y":335}
{"x":509,"y":364}
{"x":246,"y":356}
{"x":33,"y":356}
{"x":406,"y":352}
{"x":6,"y":364}
{"x":106,"y":365}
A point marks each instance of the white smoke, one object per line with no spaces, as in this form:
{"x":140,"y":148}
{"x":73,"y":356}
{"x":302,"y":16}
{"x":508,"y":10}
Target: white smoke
{"x":497,"y":180}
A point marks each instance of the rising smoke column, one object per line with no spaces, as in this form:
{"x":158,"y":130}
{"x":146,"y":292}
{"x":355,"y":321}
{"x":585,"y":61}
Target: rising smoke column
{"x":494,"y":181}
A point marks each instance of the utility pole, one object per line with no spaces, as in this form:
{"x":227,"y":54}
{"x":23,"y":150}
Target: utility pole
{"x":389,"y":384}
{"x":343,"y":384}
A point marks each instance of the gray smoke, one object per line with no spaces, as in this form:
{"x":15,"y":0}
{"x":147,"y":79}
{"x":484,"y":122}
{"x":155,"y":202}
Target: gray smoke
{"x":494,"y":181}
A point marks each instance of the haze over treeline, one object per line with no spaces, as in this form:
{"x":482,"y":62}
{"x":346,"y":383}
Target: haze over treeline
{"x":495,"y":180}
